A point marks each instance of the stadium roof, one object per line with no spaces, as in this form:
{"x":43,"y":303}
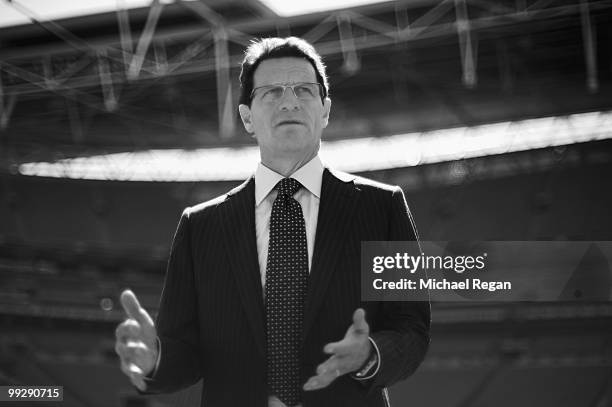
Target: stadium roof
{"x":164,"y":76}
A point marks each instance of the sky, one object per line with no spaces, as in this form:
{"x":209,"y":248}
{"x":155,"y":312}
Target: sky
{"x":52,"y":10}
{"x":44,"y":10}
{"x":288,"y":8}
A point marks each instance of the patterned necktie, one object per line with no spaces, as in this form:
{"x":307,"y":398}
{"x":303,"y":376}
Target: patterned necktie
{"x":286,"y":284}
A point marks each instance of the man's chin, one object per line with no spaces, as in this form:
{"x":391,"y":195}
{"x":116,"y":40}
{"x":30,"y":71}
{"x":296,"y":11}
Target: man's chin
{"x":291,"y":148}
{"x":292,"y":138}
{"x":291,"y":130}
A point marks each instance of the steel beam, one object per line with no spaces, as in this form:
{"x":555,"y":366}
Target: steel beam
{"x":125,"y":32}
{"x":402,"y":21}
{"x":589,"y":40}
{"x":161,"y":59}
{"x":145,"y":40}
{"x":7,"y":104}
{"x":205,"y":12}
{"x":368,"y":23}
{"x":71,"y":41}
{"x":351,"y":64}
{"x":48,"y":72}
{"x":468,"y":57}
{"x":252,"y":26}
{"x":225,"y":105}
{"x":421,"y":28}
{"x":431,"y":16}
{"x":540,"y":4}
{"x":106,"y":82}
{"x":321,"y":29}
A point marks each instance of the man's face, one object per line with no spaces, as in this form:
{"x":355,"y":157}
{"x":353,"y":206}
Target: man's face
{"x":287,"y":127}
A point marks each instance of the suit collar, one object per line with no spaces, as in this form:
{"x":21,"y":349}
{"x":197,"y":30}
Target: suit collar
{"x":309,"y":175}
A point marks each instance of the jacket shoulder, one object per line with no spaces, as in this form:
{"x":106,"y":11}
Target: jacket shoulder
{"x":211,"y":205}
{"x":203,"y":207}
{"x":364,"y":183}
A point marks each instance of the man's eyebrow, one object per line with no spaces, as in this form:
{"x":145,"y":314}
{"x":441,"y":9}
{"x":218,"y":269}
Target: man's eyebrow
{"x":285,"y":83}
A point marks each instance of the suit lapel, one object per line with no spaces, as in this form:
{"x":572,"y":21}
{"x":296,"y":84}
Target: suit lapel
{"x":238,"y":213}
{"x":338,"y":202}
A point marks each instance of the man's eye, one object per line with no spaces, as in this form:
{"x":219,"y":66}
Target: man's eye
{"x":274,"y":92}
{"x":304,"y":90}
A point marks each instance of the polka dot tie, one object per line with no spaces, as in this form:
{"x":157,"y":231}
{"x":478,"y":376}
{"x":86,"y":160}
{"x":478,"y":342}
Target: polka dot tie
{"x":286,"y":284}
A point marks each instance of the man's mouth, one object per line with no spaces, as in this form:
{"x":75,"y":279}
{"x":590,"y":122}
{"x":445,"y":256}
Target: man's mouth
{"x":289,"y":122}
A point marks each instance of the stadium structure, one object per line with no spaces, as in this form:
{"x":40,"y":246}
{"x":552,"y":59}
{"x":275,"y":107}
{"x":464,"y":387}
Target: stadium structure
{"x":494,"y":117}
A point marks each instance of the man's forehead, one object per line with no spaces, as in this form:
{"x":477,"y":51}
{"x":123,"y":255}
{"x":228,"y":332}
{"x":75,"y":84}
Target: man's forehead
{"x":285,"y":69}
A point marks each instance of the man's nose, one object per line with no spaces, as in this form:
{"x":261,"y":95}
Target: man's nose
{"x":289,"y":100}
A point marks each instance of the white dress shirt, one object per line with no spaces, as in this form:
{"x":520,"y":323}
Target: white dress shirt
{"x":310,"y":176}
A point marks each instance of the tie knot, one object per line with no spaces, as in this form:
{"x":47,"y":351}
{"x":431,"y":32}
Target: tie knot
{"x":288,"y":186}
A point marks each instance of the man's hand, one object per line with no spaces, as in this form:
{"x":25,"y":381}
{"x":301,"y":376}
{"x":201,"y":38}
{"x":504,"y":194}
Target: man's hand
{"x":136,"y":342}
{"x":348,"y":355}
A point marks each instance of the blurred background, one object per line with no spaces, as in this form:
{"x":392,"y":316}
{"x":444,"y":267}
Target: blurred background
{"x":494,"y":116}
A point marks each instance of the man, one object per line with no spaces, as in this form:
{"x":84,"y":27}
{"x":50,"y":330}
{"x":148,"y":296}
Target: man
{"x":262,"y":293}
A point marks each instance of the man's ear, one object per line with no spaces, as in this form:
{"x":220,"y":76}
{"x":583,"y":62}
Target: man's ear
{"x":326,"y":111}
{"x":247,"y":118}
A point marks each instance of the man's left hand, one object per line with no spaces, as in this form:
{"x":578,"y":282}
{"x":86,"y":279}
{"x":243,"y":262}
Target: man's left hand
{"x":347,"y":355}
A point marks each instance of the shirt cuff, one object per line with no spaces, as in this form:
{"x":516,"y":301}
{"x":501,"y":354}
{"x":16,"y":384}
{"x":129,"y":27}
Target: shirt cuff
{"x":154,"y":372}
{"x":371,"y":368}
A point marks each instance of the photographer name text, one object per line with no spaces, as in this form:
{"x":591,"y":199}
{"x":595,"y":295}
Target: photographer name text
{"x":454,"y":265}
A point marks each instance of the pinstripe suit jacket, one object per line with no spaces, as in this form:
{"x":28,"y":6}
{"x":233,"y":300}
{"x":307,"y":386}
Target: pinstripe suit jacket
{"x":211,"y":321}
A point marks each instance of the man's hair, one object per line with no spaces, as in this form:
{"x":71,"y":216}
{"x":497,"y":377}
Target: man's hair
{"x":268,"y":48}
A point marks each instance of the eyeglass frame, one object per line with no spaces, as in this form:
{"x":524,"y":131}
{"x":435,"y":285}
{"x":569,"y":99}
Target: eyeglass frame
{"x":321,"y":89}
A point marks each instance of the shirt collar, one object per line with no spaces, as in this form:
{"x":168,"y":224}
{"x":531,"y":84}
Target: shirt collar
{"x":310,"y":175}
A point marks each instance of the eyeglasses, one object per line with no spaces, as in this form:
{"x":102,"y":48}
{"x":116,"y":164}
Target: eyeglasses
{"x":274,"y":93}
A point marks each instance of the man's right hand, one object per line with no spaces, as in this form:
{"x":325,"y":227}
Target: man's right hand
{"x":136,"y":342}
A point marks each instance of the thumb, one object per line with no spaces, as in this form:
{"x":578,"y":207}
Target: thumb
{"x":138,"y":381}
{"x":359,"y":322}
{"x":132,"y":308}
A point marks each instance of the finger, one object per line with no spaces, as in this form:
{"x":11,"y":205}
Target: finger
{"x":132,"y":351}
{"x":340,"y":349}
{"x":329,"y":365}
{"x":131,"y":369}
{"x":343,"y":348}
{"x":139,"y":382}
{"x":326,"y":373}
{"x":134,"y":373}
{"x":130,"y":304}
{"x":121,"y":350}
{"x":332,"y":347}
{"x":133,"y":309}
{"x":321,"y":381}
{"x":359,"y":326}
{"x":128,"y":329}
{"x":359,"y":322}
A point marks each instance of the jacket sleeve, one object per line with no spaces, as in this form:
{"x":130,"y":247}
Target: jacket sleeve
{"x":402,"y":331}
{"x":177,"y":321}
